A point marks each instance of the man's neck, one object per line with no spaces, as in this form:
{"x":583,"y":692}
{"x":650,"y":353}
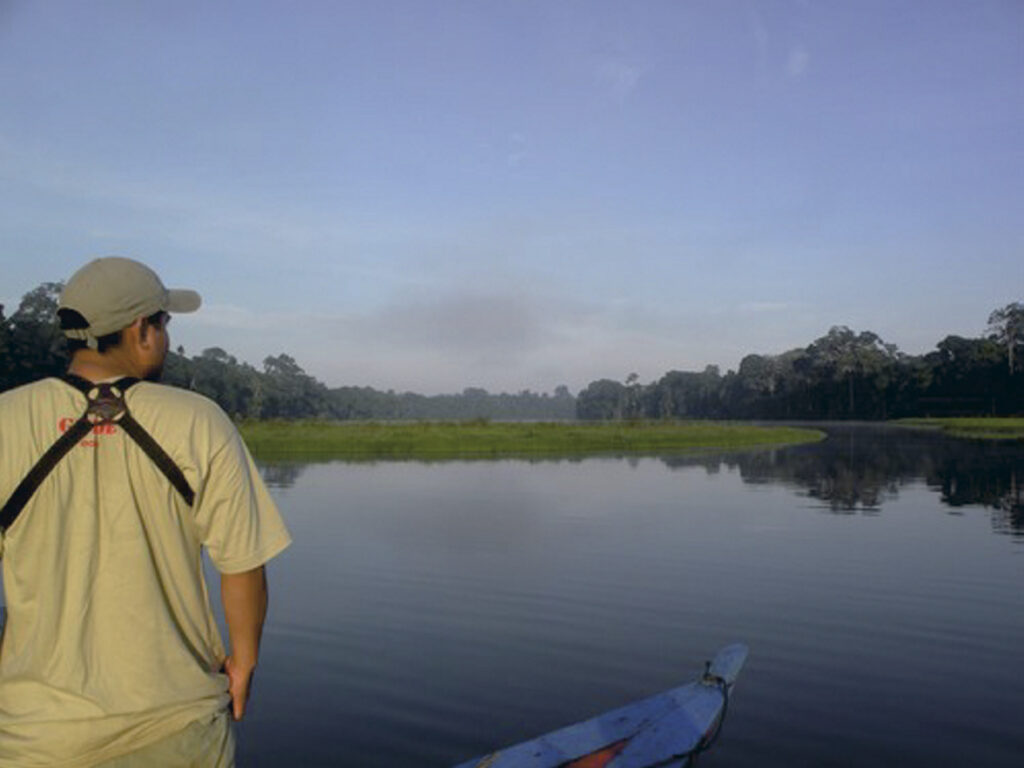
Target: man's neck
{"x":92,"y":366}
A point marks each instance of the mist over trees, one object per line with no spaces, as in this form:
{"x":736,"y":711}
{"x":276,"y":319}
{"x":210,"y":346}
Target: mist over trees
{"x":842,"y":375}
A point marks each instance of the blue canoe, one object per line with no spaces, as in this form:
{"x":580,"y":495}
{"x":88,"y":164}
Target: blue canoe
{"x":667,"y":730}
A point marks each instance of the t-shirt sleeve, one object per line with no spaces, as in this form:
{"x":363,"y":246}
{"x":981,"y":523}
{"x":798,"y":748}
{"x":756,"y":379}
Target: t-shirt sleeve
{"x":239,"y":524}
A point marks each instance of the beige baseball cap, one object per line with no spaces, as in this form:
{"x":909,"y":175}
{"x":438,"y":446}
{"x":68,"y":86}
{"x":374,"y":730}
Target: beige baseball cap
{"x":113,"y":292}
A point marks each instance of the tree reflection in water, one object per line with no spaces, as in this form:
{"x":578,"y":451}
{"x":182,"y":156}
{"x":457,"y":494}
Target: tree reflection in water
{"x":861,"y":466}
{"x":281,"y":474}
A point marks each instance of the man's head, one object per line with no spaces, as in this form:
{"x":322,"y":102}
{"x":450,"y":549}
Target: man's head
{"x":114,"y":311}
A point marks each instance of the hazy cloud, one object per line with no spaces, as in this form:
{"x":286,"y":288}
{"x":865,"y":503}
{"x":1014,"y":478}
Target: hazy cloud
{"x":761,"y":307}
{"x":618,"y":77}
{"x":760,"y":34}
{"x":797,"y":62}
{"x":228,"y":316}
{"x":480,"y":327}
{"x":189,"y":214}
{"x":518,"y":150}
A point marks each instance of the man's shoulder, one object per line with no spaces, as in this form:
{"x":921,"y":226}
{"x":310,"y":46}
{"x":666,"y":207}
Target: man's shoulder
{"x":20,"y":396}
{"x":177,"y":402}
{"x":180,"y":419}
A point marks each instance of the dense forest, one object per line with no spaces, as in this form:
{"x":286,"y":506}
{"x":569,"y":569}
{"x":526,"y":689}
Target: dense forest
{"x":842,"y":375}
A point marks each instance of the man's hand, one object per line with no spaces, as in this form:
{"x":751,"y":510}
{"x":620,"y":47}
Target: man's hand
{"x":239,"y":681}
{"x":245,"y":606}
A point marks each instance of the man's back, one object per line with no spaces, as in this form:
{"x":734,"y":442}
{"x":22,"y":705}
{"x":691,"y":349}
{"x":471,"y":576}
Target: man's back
{"x":110,"y":643}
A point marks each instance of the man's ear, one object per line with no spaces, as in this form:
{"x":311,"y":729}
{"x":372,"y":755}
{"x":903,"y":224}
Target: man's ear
{"x":137,"y":331}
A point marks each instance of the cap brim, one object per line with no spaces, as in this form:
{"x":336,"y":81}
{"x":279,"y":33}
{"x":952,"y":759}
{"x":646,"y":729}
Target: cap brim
{"x":179,"y":301}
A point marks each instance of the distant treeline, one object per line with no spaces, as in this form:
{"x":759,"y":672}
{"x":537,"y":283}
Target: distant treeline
{"x":282,"y":390}
{"x":842,"y":375}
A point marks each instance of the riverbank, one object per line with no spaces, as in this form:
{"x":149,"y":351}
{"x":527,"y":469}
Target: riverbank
{"x":975,"y":428}
{"x":482,"y":438}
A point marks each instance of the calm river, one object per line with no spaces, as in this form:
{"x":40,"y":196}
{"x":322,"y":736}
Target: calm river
{"x":428,"y":612}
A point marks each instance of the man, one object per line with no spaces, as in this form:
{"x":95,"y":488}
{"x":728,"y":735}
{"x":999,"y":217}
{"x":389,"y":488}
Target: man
{"x":111,"y":655}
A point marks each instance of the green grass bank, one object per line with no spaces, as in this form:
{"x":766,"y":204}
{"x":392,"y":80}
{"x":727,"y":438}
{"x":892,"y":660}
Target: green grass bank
{"x":480,"y":438}
{"x":975,"y":428}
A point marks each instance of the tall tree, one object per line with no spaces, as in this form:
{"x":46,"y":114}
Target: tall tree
{"x":603,"y":399}
{"x":1007,"y":327}
{"x":282,"y":365}
{"x":35,"y":343}
{"x":847,"y":358}
{"x":631,"y":406}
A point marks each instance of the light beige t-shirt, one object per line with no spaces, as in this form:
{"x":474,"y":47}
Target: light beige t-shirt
{"x":110,"y":642}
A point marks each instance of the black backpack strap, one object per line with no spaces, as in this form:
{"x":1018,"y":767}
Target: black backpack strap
{"x":43,"y":467}
{"x":159,"y":456}
{"x":106,"y":405}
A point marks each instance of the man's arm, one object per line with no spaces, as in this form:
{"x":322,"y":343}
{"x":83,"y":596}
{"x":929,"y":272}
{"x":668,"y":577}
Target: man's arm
{"x":244,"y":596}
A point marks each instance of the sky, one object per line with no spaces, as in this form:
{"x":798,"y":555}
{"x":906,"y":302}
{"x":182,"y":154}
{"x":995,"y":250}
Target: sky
{"x":429,"y":196}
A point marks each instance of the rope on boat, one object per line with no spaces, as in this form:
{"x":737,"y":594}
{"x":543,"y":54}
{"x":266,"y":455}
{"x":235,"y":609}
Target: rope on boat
{"x":709,"y":738}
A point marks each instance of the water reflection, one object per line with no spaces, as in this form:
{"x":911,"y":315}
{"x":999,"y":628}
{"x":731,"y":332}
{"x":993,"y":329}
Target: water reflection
{"x":861,"y":467}
{"x":281,"y":474}
{"x":856,"y":470}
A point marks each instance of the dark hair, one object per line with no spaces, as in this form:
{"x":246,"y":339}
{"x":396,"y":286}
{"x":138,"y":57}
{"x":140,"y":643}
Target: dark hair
{"x":71,"y":319}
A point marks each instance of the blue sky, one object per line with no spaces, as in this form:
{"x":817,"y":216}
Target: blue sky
{"x":433,"y":195}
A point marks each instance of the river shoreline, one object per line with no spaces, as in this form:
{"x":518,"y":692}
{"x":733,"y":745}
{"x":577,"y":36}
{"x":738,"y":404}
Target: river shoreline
{"x":987,"y":428}
{"x":480,"y":437}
